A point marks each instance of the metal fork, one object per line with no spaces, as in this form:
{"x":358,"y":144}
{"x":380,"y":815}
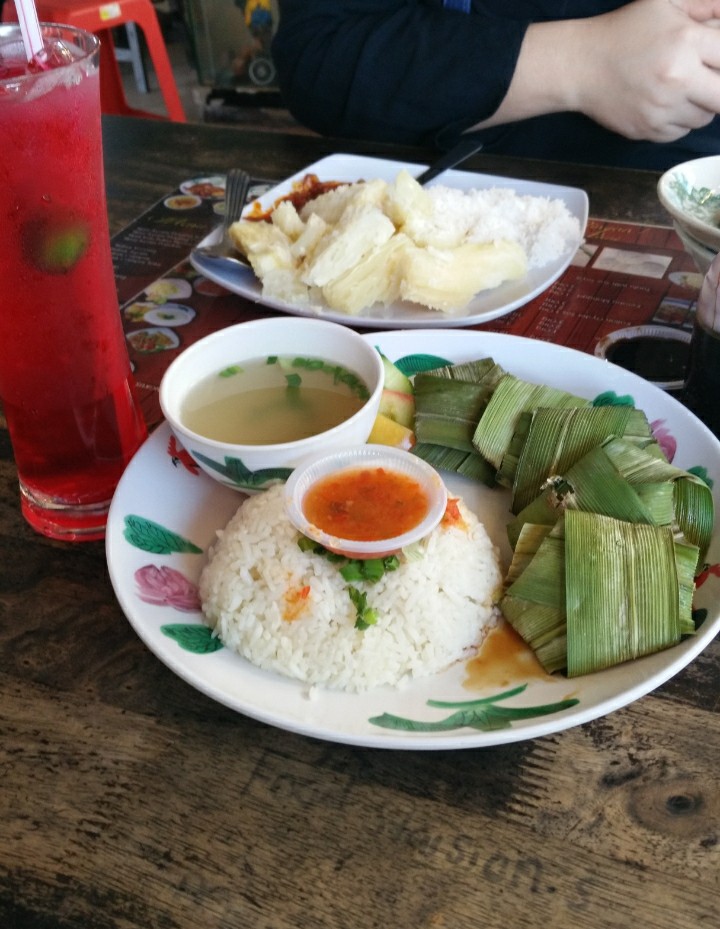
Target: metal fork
{"x":236,"y":188}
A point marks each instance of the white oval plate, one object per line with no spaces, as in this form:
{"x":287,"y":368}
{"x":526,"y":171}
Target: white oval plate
{"x":159,"y":499}
{"x":484,"y":307}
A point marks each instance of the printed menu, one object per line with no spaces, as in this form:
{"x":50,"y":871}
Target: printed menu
{"x":625,"y":280}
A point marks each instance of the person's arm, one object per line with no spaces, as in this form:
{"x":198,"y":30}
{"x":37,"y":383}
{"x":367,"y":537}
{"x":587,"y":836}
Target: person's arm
{"x":390,"y":69}
{"x":649,"y":70}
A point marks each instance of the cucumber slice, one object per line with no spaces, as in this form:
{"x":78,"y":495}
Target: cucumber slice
{"x":394,"y":379}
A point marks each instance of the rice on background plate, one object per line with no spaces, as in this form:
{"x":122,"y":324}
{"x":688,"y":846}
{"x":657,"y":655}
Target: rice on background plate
{"x":542,"y":226}
{"x":432,"y":611}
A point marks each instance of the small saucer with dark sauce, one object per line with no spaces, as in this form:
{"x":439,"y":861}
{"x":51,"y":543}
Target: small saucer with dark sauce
{"x":659,"y":354}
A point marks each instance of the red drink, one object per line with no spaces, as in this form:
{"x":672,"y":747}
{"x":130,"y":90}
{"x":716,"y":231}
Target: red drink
{"x":65,"y":380}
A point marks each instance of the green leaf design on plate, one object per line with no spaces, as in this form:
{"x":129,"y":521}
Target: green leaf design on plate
{"x":702,"y":472}
{"x":193,"y":637}
{"x":414,"y":364}
{"x":482,"y":714}
{"x":152,"y":537}
{"x":241,"y":476}
{"x":610,"y":398}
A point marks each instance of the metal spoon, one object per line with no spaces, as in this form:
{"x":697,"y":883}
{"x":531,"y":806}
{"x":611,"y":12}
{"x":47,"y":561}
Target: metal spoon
{"x":206,"y":256}
{"x":236,"y":188}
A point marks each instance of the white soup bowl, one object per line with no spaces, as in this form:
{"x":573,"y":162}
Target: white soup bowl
{"x":251,"y":468}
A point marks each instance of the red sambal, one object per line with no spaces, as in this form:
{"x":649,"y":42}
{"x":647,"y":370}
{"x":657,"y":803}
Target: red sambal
{"x":303,"y":191}
{"x":366,"y":504}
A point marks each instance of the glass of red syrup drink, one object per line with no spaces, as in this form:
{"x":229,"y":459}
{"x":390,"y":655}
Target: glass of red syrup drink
{"x":66,"y":386}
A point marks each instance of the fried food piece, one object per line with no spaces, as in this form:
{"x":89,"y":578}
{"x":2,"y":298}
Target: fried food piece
{"x":265,"y":246}
{"x":286,"y":218}
{"x":374,"y":279}
{"x":306,"y":243}
{"x":447,"y":279}
{"x":405,"y":199}
{"x":337,"y":205}
{"x":346,"y":245}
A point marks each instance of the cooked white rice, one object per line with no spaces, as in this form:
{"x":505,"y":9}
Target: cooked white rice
{"x":542,"y":226}
{"x":433,"y":610}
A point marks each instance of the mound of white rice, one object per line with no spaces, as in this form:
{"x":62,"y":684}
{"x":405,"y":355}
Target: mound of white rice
{"x":289,"y":611}
{"x":542,"y":226}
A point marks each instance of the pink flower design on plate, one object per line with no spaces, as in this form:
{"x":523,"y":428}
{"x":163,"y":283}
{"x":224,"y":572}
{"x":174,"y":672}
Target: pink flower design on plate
{"x":167,"y":587}
{"x":665,"y":439}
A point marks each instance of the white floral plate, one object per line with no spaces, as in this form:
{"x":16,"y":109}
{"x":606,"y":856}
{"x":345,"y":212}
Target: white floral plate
{"x":164,"y":516}
{"x":484,"y":307}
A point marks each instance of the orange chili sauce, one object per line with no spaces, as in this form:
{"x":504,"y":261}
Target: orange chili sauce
{"x":366,"y":504}
{"x":296,"y":602}
{"x":304,"y":190}
{"x":452,"y":515}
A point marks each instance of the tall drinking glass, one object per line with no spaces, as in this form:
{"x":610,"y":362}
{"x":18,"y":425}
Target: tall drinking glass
{"x":66,"y":386}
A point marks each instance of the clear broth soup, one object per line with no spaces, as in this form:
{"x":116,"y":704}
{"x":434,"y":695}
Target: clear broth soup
{"x":272,"y":400}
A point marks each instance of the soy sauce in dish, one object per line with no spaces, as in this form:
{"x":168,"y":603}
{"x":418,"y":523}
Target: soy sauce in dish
{"x":657,"y":359}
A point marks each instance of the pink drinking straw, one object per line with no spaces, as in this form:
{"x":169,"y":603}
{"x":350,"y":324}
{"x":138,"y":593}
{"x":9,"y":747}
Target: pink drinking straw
{"x":30,"y":28}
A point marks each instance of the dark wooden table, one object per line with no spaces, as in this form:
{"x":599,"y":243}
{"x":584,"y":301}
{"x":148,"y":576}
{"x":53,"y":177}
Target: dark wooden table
{"x":128,"y":800}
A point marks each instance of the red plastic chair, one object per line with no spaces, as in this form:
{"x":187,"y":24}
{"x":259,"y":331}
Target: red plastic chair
{"x":101,"y":19}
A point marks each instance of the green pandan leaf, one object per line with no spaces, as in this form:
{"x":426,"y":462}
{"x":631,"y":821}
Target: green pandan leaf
{"x":482,"y":714}
{"x":193,"y":637}
{"x":414,"y":364}
{"x":152,"y":537}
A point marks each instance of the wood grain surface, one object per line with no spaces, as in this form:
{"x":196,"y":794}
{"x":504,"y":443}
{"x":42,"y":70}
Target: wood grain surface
{"x":128,"y":800}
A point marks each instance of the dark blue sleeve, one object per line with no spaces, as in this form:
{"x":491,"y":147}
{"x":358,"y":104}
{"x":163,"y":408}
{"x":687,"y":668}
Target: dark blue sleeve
{"x":409,"y":71}
{"x":406,"y":71}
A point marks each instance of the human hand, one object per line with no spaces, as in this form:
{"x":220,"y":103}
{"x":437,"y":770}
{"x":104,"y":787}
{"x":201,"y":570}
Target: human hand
{"x":648,"y":70}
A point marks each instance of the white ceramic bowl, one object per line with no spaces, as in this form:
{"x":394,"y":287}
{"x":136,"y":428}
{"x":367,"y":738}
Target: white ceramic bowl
{"x":690,"y":192}
{"x":350,"y":459}
{"x":251,"y":468}
{"x":702,"y":255}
